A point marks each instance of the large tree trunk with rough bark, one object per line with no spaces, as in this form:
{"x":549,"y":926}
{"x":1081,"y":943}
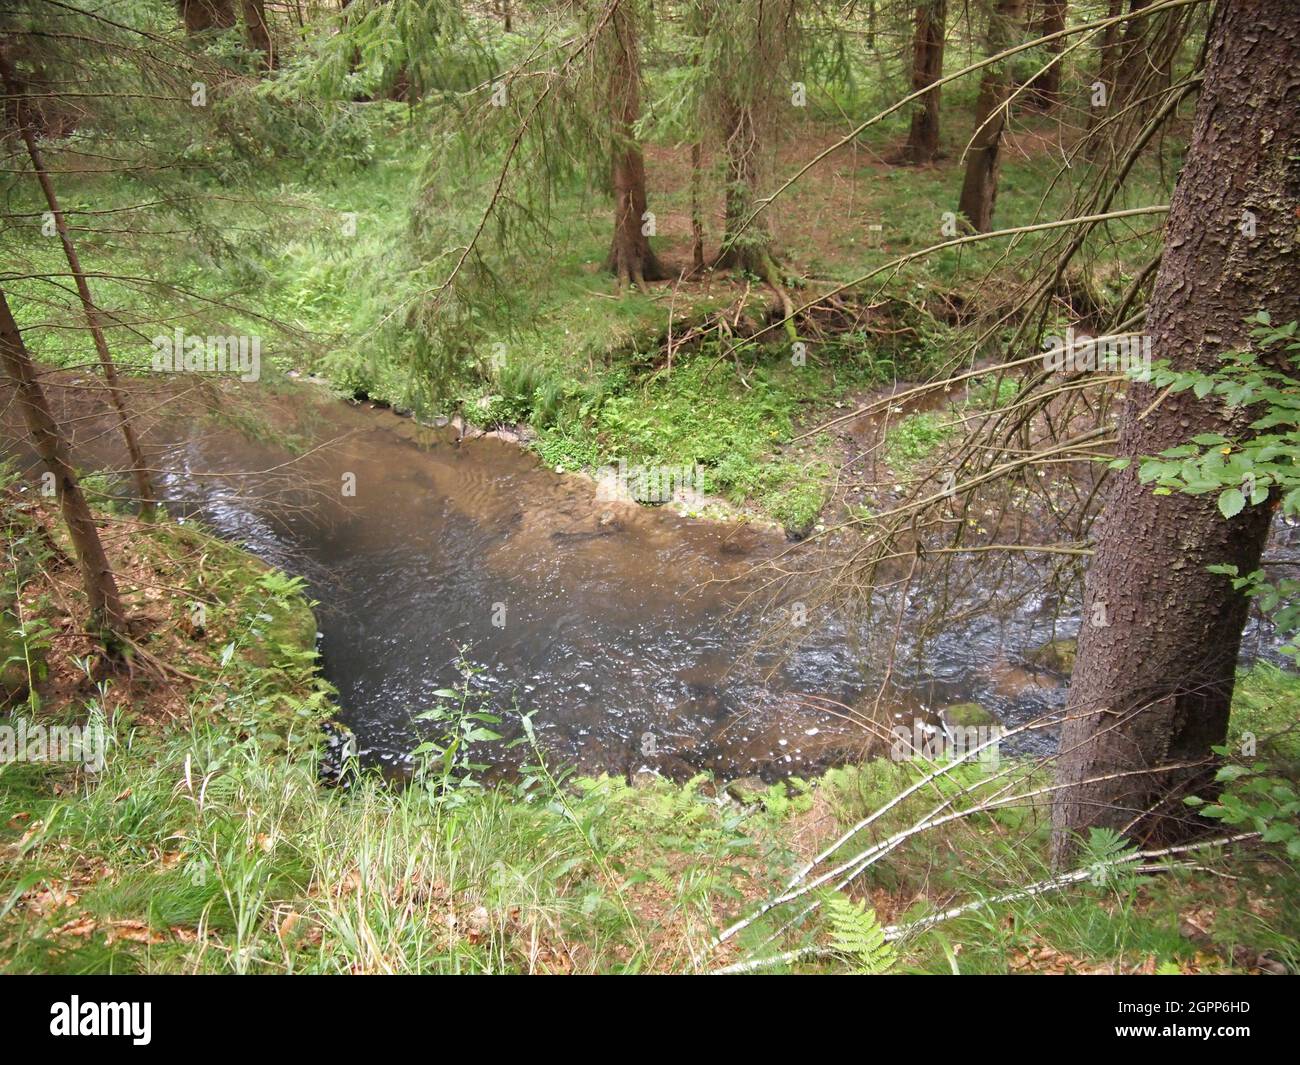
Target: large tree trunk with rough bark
{"x":630,"y":256}
{"x":106,"y":611}
{"x":1158,"y":649}
{"x":979,"y":189}
{"x":1044,"y":91}
{"x":927,"y":68}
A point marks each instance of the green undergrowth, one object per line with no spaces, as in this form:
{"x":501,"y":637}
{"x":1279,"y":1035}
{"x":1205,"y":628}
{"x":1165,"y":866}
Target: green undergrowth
{"x":206,"y":842}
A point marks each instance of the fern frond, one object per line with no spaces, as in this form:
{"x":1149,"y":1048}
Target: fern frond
{"x":857,"y":935}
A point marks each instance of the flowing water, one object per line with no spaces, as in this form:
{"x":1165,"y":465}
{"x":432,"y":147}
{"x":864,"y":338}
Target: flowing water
{"x":624,"y":628}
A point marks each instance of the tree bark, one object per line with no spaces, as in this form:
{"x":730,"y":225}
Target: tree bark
{"x":199,"y":16}
{"x":258,"y":32}
{"x":1131,"y":52}
{"x":106,"y":611}
{"x":139,"y":471}
{"x":979,"y":188}
{"x":744,"y":246}
{"x":697,"y":211}
{"x":927,"y":68}
{"x":1044,"y":91}
{"x":1153,"y":686}
{"x":1107,"y":63}
{"x":630,"y":256}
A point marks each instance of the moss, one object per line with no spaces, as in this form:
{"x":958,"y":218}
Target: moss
{"x":797,"y":506}
{"x":286,"y":624}
{"x":1055,"y":655}
{"x":968,"y":715}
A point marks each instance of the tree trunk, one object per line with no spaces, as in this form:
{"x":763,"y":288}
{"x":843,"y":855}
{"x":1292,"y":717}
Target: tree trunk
{"x":1107,"y":64}
{"x":744,"y":247}
{"x":1044,"y":91}
{"x":1153,"y":685}
{"x":258,"y":32}
{"x":927,"y":68}
{"x":106,"y":611}
{"x":139,"y":471}
{"x":200,"y":16}
{"x":630,"y":255}
{"x":1131,"y":52}
{"x":979,"y":188}
{"x":697,"y":211}
{"x":1146,"y":60}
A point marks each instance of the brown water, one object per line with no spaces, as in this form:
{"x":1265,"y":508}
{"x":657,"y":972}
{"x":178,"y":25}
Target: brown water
{"x":620,"y":626}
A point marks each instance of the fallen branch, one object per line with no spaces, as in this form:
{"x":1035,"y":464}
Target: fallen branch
{"x":899,"y":931}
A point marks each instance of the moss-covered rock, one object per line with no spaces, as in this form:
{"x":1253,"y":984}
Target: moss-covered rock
{"x":967,"y":715}
{"x":748,"y":791}
{"x":1055,"y":655}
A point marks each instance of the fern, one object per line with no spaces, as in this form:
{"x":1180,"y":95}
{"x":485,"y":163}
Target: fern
{"x":857,"y":935}
{"x":1102,"y":854}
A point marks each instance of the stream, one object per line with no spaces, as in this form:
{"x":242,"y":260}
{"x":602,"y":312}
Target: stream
{"x":625,"y":629}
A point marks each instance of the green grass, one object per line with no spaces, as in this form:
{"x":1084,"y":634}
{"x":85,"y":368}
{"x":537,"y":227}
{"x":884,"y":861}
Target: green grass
{"x":916,"y":437}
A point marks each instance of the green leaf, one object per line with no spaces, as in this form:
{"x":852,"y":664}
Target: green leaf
{"x":1231,"y":503}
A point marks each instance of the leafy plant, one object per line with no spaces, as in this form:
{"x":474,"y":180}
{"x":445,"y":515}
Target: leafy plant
{"x":1255,"y":797}
{"x":1103,"y":855}
{"x":1248,"y":470}
{"x":1245,"y":470}
{"x":857,"y":935}
{"x":444,"y":756}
